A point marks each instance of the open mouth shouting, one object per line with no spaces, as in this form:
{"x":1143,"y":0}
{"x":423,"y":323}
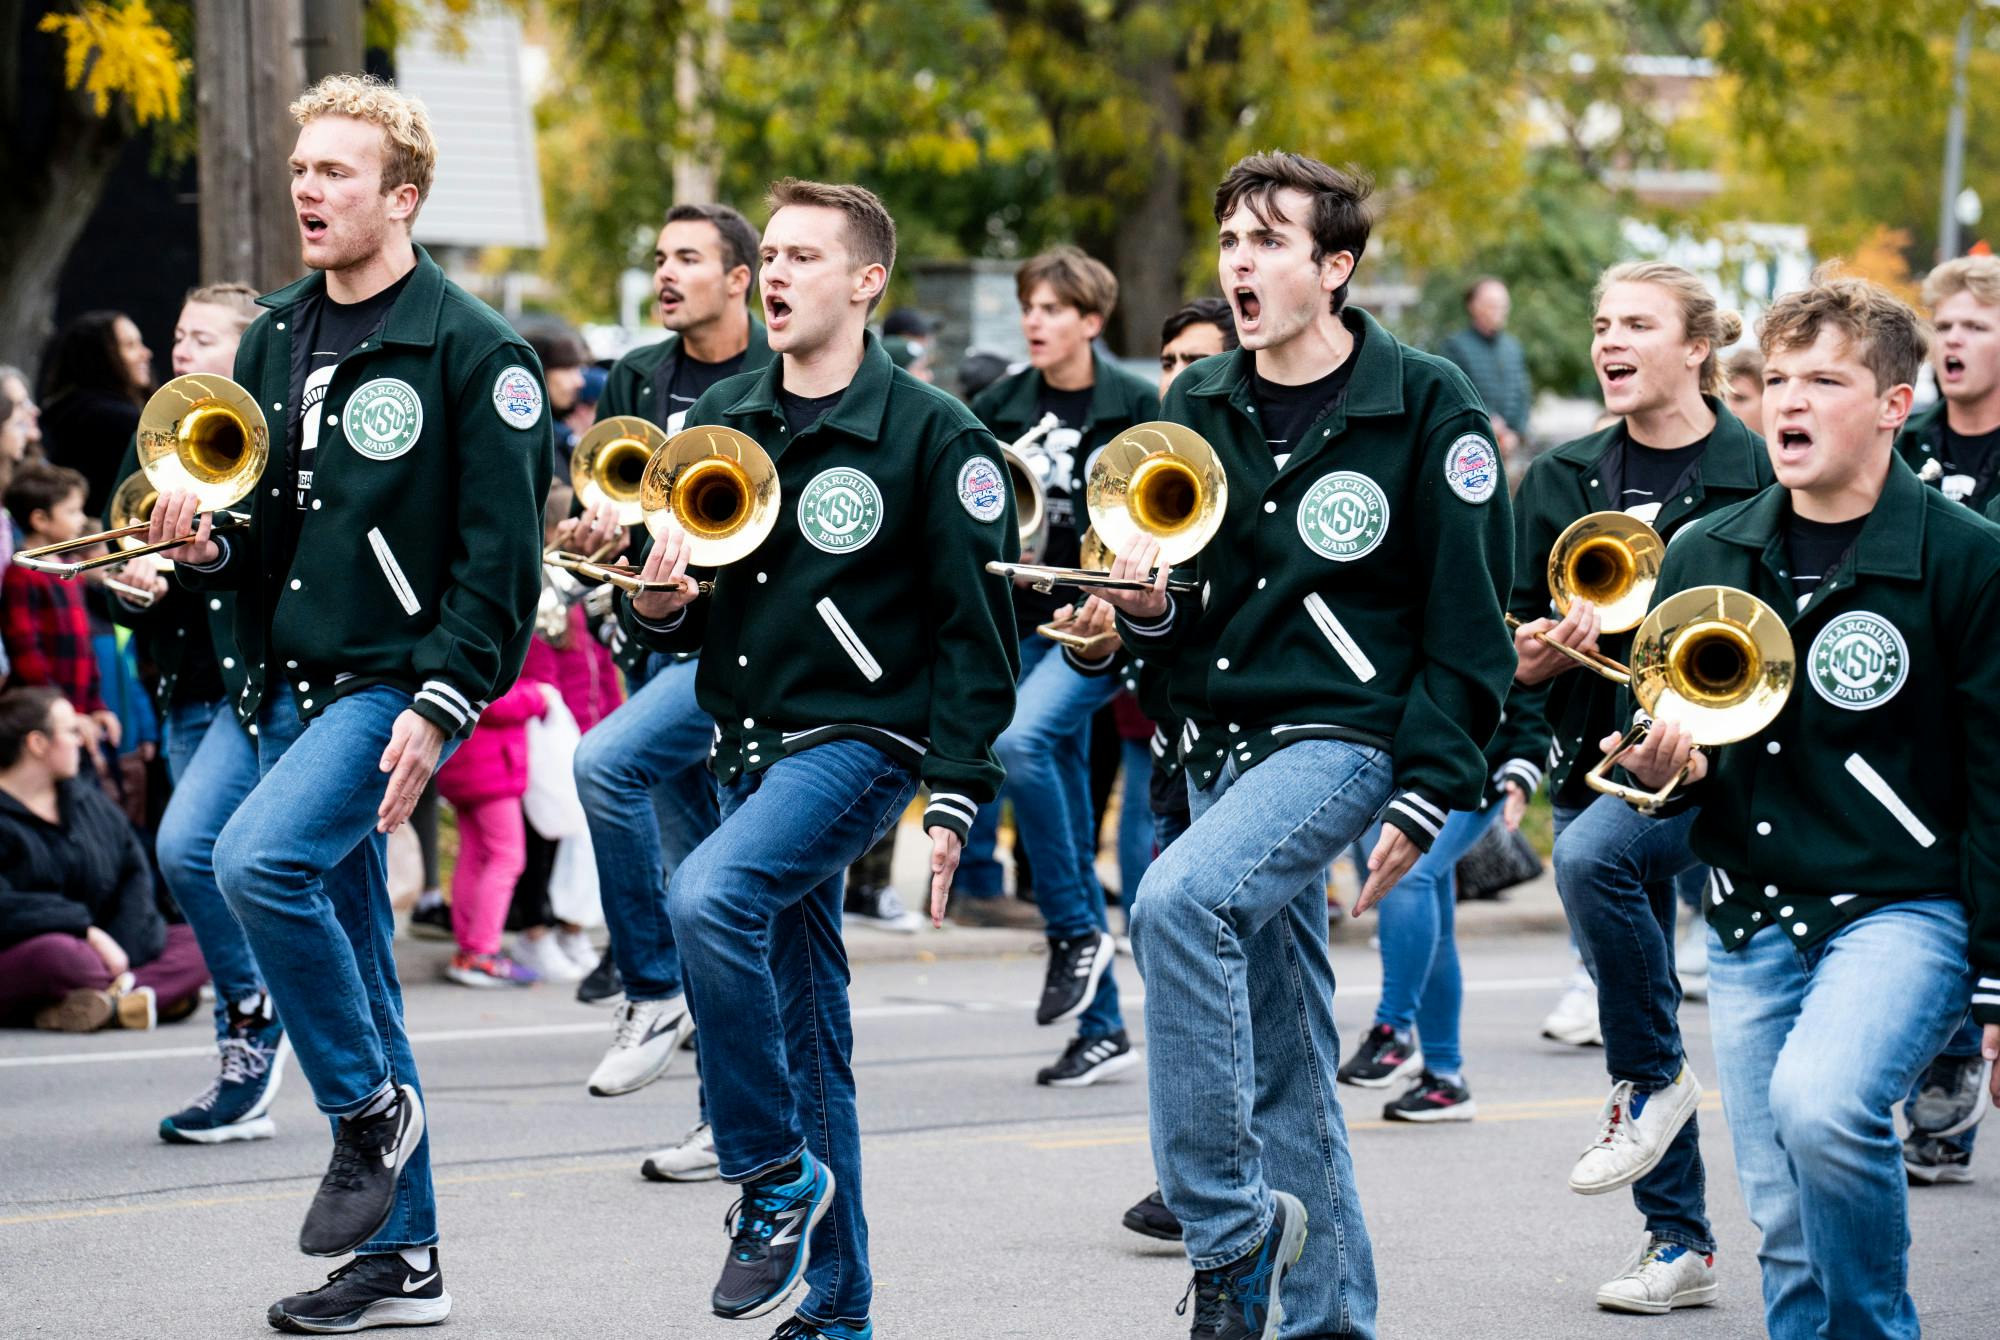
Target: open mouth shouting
{"x":1248,"y":308}
{"x":312,"y":226}
{"x":1618,"y":374}
{"x":1794,"y":445}
{"x":1952,"y":368}
{"x":777,"y":312}
{"x":669,"y":299}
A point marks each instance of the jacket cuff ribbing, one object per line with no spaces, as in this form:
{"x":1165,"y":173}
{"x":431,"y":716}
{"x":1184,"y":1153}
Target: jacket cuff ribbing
{"x":439,"y":703}
{"x":1420,"y":817}
{"x":1518,"y":770}
{"x":1148,"y":632}
{"x":950,"y":810}
{"x":1986,"y":997}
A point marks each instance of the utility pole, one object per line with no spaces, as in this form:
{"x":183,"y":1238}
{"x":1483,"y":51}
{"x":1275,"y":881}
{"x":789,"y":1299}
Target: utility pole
{"x":696,"y":174}
{"x":332,"y":38}
{"x":248,"y":68}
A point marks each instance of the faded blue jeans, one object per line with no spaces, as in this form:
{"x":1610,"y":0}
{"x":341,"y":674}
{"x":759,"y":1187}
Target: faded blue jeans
{"x":979,"y":874}
{"x":213,"y":763}
{"x":756,"y":910}
{"x":1814,"y":1050}
{"x":305,"y":873}
{"x":1229,"y":930}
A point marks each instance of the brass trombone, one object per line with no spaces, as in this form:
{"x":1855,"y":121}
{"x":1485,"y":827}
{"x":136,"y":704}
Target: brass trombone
{"x":1031,"y":497}
{"x":1613,"y":561}
{"x":1715,"y":659}
{"x":201,"y":434}
{"x":1158,"y":479}
{"x":1095,"y":557}
{"x":609,"y":463}
{"x":718,"y":484}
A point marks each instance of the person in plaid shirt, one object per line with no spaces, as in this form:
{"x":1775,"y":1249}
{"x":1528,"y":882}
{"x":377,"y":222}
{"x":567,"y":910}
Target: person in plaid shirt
{"x":42,"y":618}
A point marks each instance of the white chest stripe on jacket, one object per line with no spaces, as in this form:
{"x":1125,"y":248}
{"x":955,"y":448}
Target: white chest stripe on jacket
{"x":1343,"y":641}
{"x":406,"y":596}
{"x":1872,"y":781}
{"x":850,"y":641}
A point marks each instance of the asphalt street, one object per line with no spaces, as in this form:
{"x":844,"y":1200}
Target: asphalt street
{"x":994,"y":1204}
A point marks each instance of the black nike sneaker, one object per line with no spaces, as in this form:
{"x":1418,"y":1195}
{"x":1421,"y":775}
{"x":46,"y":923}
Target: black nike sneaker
{"x":1239,"y":1301}
{"x":1151,"y":1218}
{"x":369,"y":1291}
{"x":770,"y":1226}
{"x":603,"y":985}
{"x":359,"y":1188}
{"x":1076,"y":966}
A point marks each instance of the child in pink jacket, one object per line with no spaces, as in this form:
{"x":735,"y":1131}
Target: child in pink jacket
{"x":484,"y":781}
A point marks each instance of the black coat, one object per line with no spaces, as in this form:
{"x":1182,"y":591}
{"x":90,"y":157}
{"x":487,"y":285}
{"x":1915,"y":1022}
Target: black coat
{"x":89,"y":870}
{"x":88,"y":431}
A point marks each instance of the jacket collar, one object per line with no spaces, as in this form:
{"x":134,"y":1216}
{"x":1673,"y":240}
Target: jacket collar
{"x":860,"y":411}
{"x":755,"y":354}
{"x":1891,"y":541}
{"x":412,"y":320}
{"x":1376,"y":387}
{"x":1025,"y":392}
{"x":1730,"y":461}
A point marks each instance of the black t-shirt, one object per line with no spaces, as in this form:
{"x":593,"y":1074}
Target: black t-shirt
{"x":1815,"y":549}
{"x":1971,"y":464}
{"x":679,"y":382}
{"x":802,"y":412}
{"x":1065,"y":482}
{"x":1288,"y":411}
{"x":1648,"y":476}
{"x":323,"y":333}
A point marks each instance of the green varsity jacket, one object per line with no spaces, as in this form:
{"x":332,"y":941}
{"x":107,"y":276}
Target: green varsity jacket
{"x":1871,"y":786}
{"x":419,"y":562}
{"x":867,"y":612}
{"x":1355,"y":594}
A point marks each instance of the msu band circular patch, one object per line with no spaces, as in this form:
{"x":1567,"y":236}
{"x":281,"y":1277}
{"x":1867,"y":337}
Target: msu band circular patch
{"x":1858,"y":661}
{"x":383,"y":418}
{"x":517,"y":397}
{"x":1472,"y":468}
{"x":1343,"y":516}
{"x":840,"y":510}
{"x":982,"y":489}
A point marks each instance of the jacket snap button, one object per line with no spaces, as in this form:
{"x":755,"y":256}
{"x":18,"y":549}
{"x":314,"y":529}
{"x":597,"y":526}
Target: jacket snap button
{"x":1763,"y":830}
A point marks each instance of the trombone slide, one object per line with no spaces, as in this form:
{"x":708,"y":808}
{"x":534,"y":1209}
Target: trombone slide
{"x":624,"y":576}
{"x":1047,"y":579}
{"x":1646,"y":802}
{"x":1615,"y":671}
{"x":43,"y":560}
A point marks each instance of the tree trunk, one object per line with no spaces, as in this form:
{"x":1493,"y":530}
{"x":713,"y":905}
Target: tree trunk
{"x":51,"y":201}
{"x":1152,"y":232}
{"x":248,"y":68}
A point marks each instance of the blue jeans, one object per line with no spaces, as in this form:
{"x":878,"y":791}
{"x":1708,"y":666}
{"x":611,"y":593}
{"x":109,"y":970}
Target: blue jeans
{"x":304,"y":870}
{"x":217,"y":770}
{"x":979,"y":874}
{"x":1135,"y":817}
{"x":1046,"y":752}
{"x":1229,"y":930}
{"x":1616,"y":872}
{"x":1964,"y":1043}
{"x":1421,"y":985}
{"x":1813,"y":1051}
{"x":756,"y":910}
{"x":655,"y":744}
{"x":1167,"y":830}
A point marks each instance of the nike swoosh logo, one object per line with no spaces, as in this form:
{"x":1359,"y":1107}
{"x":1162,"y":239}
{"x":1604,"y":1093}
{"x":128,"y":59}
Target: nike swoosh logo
{"x":668,"y":1026}
{"x":411,"y":1286}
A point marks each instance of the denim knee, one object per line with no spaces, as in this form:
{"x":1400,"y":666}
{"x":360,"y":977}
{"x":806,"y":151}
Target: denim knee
{"x":597,"y":766}
{"x":184,"y":832}
{"x":702,"y":904}
{"x":1813,"y":1120}
{"x":1579,"y":864}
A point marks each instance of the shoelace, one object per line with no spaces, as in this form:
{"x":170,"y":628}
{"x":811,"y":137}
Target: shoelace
{"x":631,"y":1025}
{"x":241,"y":1060}
{"x":357,"y":1143}
{"x":794,"y":1329}
{"x":751,"y":1224}
{"x":1211,"y":1300}
{"x":1616,"y":1129}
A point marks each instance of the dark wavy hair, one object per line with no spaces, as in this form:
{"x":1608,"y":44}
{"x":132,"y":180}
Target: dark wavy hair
{"x":84,"y":357}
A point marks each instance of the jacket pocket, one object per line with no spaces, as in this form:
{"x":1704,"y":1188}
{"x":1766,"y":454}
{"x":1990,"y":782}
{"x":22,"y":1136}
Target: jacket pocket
{"x":1343,"y":641}
{"x":850,"y":641}
{"x":1873,"y":783}
{"x":405,"y":594}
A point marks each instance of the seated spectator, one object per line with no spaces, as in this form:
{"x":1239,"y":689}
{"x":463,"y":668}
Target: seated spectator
{"x":82,"y":943}
{"x":43,"y":621}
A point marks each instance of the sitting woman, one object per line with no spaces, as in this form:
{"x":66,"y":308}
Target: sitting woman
{"x":82,"y":942}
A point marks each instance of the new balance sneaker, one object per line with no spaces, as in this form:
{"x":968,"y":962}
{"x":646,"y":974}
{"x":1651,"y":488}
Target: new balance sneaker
{"x":798,"y":1328}
{"x":1087,"y":1060}
{"x":541,"y":955}
{"x":1951,"y":1098}
{"x":644,"y":1036}
{"x":1633,"y":1133}
{"x":1573,"y":1022}
{"x":1383,"y":1057}
{"x":603,"y":985}
{"x":1152,"y":1219}
{"x":430,"y":916}
{"x":880,"y":908}
{"x":489,"y":971}
{"x":581,"y":951}
{"x":359,"y":1189}
{"x":237,"y":1104}
{"x":770,"y":1227}
{"x":369,"y":1291}
{"x":1929,"y":1160}
{"x":1076,"y":966}
{"x":1664,"y":1276}
{"x":692,"y":1160}
{"x":1433,"y":1098}
{"x":1239,"y":1301}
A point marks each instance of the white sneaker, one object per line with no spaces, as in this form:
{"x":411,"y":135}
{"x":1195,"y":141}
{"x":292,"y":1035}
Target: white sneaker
{"x":1664,"y":1276}
{"x":645,"y":1034}
{"x":581,"y":951}
{"x":546,"y":957}
{"x":1691,"y":961}
{"x":692,"y":1160}
{"x":1634,"y":1133}
{"x":1573,"y":1021}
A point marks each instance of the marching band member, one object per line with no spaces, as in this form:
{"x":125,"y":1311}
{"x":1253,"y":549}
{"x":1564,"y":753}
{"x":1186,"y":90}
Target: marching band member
{"x":859,"y":650}
{"x":1853,"y":865}
{"x":1065,"y":297}
{"x":1345,"y":657}
{"x":386,"y":589}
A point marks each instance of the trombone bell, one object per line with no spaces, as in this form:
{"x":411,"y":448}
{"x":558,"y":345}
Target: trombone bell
{"x":1158,"y":479}
{"x":609,"y":463}
{"x":1031,"y":512}
{"x":1610,"y":559}
{"x":720,"y":485}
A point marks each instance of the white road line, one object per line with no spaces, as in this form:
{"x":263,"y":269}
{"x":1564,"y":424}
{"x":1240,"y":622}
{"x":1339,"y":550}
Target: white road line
{"x":1367,"y":990}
